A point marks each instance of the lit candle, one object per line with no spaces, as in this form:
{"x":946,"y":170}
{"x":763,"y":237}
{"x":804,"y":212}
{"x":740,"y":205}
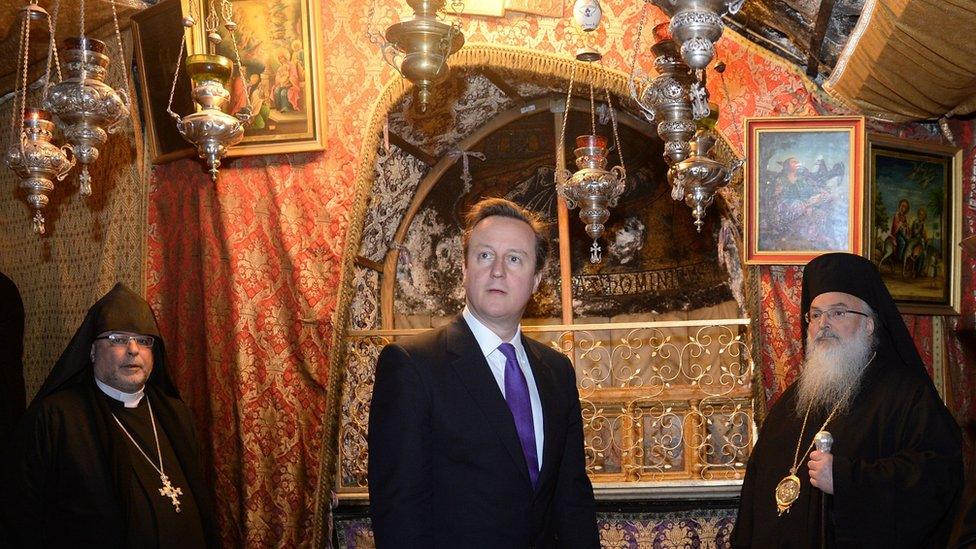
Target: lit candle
{"x":33,"y":114}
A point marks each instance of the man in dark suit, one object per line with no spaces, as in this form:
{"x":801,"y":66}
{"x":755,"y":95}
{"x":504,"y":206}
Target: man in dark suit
{"x":475,"y":432}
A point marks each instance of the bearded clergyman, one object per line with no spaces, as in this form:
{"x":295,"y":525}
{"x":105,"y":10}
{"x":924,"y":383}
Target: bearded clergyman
{"x":860,"y":451}
{"x":106,"y":454}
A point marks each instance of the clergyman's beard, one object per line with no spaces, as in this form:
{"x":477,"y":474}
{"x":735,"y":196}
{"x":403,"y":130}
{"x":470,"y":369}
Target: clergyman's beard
{"x":832,"y":370}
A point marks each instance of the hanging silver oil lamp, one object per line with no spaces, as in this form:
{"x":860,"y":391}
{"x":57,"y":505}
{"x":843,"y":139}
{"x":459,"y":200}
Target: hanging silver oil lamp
{"x":87,"y":108}
{"x":592,"y":187}
{"x":39,"y":162}
{"x":697,"y":25}
{"x":33,"y":156}
{"x":210,"y":129}
{"x":696,"y":178}
{"x":674,"y":97}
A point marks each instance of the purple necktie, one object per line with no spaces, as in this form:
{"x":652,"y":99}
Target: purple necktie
{"x":517,"y":396}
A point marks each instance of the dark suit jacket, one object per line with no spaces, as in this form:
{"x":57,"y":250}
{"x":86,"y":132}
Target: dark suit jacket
{"x":446,"y":468}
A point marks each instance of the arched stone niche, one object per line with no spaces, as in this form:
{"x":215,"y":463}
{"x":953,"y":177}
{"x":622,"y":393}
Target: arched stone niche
{"x":494,"y":133}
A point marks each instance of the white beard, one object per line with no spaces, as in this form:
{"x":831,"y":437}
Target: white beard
{"x":832,"y":370}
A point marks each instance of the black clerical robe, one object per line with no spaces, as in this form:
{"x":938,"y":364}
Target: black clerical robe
{"x":12,"y":398}
{"x":59,"y":489}
{"x":897,"y":470}
{"x":154,"y":515}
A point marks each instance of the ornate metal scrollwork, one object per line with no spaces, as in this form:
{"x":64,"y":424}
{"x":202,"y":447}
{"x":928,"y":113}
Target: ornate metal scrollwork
{"x":660,"y":401}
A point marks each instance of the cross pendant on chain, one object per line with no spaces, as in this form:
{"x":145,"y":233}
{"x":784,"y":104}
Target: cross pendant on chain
{"x":170,"y":492}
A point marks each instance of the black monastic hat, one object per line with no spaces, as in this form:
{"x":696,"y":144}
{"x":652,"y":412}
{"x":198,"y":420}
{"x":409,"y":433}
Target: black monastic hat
{"x":857,"y":276}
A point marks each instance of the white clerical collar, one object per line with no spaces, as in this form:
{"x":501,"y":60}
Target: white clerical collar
{"x":487,"y":339}
{"x":129,"y":400}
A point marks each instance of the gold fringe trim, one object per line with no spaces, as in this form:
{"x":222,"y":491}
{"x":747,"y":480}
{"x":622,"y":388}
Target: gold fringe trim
{"x":544,"y":63}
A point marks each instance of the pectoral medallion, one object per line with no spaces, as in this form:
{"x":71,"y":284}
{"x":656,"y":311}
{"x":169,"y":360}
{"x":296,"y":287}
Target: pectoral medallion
{"x":787,"y":491}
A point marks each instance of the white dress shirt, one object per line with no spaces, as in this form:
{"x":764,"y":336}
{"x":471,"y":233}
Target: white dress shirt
{"x":489,"y":342}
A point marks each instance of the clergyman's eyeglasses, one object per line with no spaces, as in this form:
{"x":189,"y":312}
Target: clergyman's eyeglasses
{"x":123,"y":340}
{"x":831,"y":315}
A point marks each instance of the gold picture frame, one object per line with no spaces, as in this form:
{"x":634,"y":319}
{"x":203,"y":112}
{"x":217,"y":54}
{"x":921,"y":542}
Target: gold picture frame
{"x":913,"y":222}
{"x":279,"y":42}
{"x":803,"y":188}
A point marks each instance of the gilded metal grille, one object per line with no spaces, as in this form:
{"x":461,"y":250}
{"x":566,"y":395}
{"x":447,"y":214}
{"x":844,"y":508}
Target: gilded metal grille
{"x":662,"y":402}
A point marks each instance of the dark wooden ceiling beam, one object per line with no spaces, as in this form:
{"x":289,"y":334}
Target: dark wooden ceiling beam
{"x":412,"y":149}
{"x":819,"y":32}
{"x":501,"y":84}
{"x":369,"y":263}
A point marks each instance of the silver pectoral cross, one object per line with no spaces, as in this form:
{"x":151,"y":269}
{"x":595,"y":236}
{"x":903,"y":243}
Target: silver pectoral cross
{"x":170,"y":492}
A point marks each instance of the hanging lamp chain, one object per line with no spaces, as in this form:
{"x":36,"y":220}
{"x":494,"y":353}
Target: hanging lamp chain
{"x":22,"y":61}
{"x":455,"y":28}
{"x":188,"y":22}
{"x":562,"y":130}
{"x":23,"y":82}
{"x":118,"y":40}
{"x":84,"y":65}
{"x":52,"y":50}
{"x":228,"y":12}
{"x":637,"y":39}
{"x":176,"y":75}
{"x":613,"y":119}
{"x":637,"y":43}
{"x":372,"y":34}
{"x":212,"y":21}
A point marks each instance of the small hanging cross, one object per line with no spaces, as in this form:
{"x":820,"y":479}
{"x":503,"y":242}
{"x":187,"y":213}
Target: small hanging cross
{"x":170,"y":492}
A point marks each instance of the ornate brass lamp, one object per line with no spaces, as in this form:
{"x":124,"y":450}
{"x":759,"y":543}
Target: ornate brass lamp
{"x":592,"y":187}
{"x":87,"y":108}
{"x":33,"y":156}
{"x":38,"y":161}
{"x":418,"y":48}
{"x":674,"y":98}
{"x":696,"y":178}
{"x":697,"y":25}
{"x":210,"y":129}
{"x":677,"y":99}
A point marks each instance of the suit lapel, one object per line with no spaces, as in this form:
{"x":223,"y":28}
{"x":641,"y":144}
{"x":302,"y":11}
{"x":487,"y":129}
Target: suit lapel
{"x":473,"y":371}
{"x":546,"y":384}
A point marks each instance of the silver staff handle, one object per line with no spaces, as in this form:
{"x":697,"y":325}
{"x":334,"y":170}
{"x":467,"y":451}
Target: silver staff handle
{"x":823,"y":441}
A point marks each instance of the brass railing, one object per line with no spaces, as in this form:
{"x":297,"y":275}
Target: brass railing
{"x":666,"y":405}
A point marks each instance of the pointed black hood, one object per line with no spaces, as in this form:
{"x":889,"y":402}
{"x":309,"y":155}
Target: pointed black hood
{"x":120,"y":309}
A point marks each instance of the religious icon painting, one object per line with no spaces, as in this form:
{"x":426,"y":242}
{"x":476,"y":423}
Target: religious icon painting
{"x":913,"y":222}
{"x":279,"y":42}
{"x":804,"y":188}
